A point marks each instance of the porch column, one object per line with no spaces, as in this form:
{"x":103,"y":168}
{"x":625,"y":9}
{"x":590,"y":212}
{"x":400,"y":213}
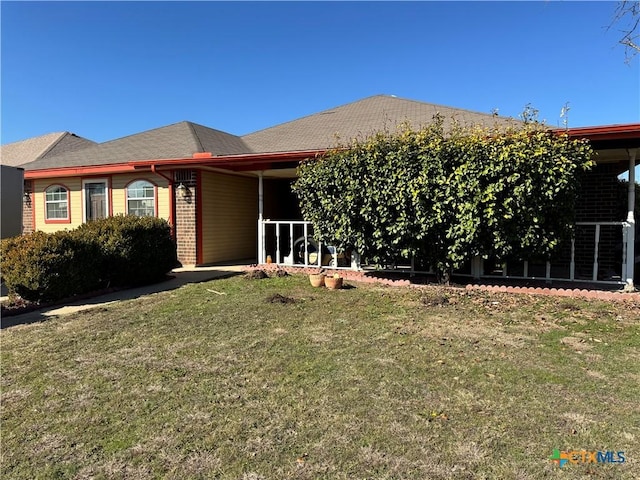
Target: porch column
{"x":631,"y":202}
{"x":261,"y":258}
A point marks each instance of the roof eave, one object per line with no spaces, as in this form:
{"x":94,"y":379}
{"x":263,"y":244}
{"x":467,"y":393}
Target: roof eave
{"x":222,"y":161}
{"x":606,"y":132}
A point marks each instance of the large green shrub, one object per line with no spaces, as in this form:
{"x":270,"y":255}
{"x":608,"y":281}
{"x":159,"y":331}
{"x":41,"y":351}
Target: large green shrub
{"x":45,"y":267}
{"x":444,"y":197}
{"x":135,"y":250}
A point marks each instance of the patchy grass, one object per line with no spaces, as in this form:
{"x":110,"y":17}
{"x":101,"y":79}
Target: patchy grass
{"x":273,"y":379}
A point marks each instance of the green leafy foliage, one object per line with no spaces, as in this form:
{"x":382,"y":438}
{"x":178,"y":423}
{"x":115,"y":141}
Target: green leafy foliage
{"x":49,"y":266}
{"x":134,"y":250}
{"x":116,"y":251}
{"x":446,"y":196}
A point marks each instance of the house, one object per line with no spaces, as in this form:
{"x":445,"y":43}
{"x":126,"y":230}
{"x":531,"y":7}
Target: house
{"x":228,"y":197}
{"x":14,"y":154}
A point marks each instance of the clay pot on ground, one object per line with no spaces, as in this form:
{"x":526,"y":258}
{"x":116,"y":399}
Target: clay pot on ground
{"x":334,"y":282}
{"x":317,"y":279}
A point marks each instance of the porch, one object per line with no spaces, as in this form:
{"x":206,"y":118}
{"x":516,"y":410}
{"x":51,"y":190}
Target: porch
{"x":598,"y":253}
{"x":602,"y":250}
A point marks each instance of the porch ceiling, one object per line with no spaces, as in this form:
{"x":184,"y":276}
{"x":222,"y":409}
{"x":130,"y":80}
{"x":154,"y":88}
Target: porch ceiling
{"x":618,"y":156}
{"x":277,"y":173}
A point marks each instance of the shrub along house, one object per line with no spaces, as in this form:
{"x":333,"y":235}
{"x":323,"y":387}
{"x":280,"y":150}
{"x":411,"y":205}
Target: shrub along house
{"x":228,"y":197}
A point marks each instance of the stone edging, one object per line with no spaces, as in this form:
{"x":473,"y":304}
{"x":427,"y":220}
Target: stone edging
{"x":357,"y":276}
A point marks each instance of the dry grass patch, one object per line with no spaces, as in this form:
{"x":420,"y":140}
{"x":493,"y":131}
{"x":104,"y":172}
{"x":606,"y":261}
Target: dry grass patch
{"x":369,"y":382}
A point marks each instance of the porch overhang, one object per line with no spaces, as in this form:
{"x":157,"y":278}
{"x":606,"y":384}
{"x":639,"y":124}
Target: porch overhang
{"x":239,"y":163}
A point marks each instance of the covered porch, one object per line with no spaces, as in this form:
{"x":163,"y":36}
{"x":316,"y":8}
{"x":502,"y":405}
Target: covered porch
{"x":603,"y":249}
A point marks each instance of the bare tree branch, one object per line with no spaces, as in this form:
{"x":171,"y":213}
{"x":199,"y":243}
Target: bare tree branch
{"x":627,"y":21}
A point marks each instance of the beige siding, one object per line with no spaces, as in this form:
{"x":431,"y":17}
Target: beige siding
{"x":75,"y":208}
{"x":119,"y":194}
{"x":229,"y":217}
{"x":117,"y":184}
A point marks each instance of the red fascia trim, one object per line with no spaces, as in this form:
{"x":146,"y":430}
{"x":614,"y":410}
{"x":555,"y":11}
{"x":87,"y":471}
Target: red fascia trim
{"x":227,"y":160}
{"x":258,"y":159}
{"x":199,"y":242}
{"x":605,"y":132}
{"x":97,"y":170}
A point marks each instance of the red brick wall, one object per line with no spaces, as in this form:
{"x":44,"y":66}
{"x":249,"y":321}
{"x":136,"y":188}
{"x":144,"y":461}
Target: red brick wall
{"x":185,"y":221}
{"x":27,"y":208}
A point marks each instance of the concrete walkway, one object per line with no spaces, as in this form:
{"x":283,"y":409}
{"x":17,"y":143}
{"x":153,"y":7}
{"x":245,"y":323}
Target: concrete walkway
{"x":179,"y":277}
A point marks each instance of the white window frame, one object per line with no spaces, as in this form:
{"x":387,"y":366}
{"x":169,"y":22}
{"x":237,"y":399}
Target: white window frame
{"x":154,"y":198}
{"x":66,"y":202}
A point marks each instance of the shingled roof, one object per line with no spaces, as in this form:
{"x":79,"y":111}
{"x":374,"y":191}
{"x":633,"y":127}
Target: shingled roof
{"x":356,"y":120}
{"x":25,"y":151}
{"x":180,"y":140}
{"x":315,"y":132}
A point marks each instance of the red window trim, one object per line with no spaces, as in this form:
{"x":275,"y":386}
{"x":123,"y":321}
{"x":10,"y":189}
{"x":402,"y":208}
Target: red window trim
{"x":54,"y":221}
{"x":155,"y":195}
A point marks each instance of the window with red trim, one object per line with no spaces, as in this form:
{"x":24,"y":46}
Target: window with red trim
{"x":141,"y":199}
{"x":56,"y":203}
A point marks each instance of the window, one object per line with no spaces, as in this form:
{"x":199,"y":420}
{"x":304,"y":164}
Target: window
{"x":141,"y":199}
{"x":56,"y":203}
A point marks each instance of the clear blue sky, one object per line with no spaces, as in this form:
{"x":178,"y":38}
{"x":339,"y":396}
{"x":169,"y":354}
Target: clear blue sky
{"x":109,"y":69}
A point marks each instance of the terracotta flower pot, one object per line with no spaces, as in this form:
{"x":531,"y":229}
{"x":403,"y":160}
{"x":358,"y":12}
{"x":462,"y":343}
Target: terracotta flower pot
{"x":317,"y":279}
{"x":333,"y":283}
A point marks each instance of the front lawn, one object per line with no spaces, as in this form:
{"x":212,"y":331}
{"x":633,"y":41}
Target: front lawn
{"x":273,"y":379}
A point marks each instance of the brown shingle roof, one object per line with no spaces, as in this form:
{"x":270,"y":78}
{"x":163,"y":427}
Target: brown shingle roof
{"x":25,"y":151}
{"x":180,"y":140}
{"x":355,"y":120}
{"x":314,"y":132}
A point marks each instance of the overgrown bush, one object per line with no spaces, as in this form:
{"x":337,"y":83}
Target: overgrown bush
{"x":49,"y":266}
{"x":116,"y":251}
{"x":443,"y":197}
{"x":134,"y":250}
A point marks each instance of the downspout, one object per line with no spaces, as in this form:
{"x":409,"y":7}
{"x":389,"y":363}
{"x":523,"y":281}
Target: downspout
{"x":631,"y":221}
{"x":172,"y":202}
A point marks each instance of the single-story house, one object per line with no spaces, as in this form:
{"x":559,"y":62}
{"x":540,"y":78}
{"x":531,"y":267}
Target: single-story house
{"x":228,"y":197}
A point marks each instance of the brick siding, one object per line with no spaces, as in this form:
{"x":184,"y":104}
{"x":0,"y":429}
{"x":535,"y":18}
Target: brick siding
{"x":185,"y":221}
{"x":27,"y":208}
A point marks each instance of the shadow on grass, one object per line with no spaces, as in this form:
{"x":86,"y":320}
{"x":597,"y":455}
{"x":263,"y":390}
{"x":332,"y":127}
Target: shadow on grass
{"x":31,"y":313}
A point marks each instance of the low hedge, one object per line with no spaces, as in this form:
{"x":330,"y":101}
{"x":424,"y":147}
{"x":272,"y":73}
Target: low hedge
{"x":134,"y":250}
{"x":116,"y":251}
{"x":49,"y":266}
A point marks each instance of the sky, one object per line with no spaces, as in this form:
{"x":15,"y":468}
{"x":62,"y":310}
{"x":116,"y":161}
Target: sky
{"x":104,"y":70}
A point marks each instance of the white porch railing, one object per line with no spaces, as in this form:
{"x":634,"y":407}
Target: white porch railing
{"x":292,"y":243}
{"x":589,"y":245}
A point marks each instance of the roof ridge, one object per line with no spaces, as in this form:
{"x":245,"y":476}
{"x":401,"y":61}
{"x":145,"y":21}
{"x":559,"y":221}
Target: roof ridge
{"x":140,"y":133}
{"x":47,"y":150}
{"x":199,"y":144}
{"x":31,"y":138}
